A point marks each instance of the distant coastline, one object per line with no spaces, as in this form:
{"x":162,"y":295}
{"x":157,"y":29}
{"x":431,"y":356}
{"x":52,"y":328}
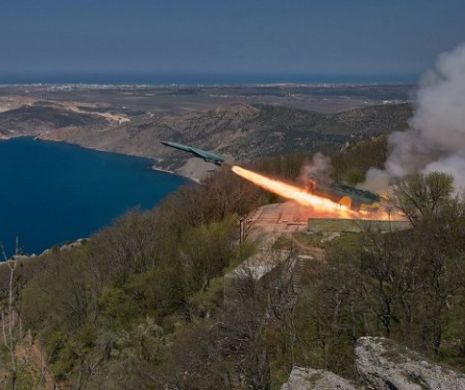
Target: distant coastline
{"x":131,"y":120}
{"x":120,"y":79}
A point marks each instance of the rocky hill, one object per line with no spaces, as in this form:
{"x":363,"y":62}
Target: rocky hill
{"x":41,"y":117}
{"x":239,"y":131}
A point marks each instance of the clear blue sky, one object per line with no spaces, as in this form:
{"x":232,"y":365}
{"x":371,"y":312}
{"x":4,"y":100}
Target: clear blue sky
{"x":228,"y":36}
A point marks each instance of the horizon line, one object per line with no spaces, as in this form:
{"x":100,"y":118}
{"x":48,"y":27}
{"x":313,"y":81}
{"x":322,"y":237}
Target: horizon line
{"x":205,"y":78}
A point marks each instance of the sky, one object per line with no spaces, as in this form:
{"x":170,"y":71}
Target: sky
{"x":390,"y":37}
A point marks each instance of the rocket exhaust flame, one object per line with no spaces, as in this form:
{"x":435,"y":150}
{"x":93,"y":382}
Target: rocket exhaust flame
{"x":322,"y":207}
{"x":297,"y":194}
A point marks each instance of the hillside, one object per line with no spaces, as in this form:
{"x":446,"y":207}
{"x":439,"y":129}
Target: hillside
{"x":239,"y":131}
{"x":42,"y":118}
{"x":163,"y":299}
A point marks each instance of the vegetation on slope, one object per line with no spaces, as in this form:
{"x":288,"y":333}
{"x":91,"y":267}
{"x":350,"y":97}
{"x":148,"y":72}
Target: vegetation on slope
{"x":142,"y":303}
{"x":243,"y":131}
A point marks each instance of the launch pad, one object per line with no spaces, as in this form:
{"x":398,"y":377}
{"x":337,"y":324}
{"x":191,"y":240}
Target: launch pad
{"x":282,"y":218}
{"x":290,"y":217}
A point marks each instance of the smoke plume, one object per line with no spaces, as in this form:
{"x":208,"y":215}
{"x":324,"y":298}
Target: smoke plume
{"x":435,"y":140}
{"x":317,"y":169}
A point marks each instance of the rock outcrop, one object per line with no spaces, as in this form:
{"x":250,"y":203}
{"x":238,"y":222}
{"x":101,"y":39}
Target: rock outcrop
{"x":309,"y":378}
{"x":384,"y":364}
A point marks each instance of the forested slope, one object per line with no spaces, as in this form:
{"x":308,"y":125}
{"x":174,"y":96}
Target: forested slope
{"x":141,"y":304}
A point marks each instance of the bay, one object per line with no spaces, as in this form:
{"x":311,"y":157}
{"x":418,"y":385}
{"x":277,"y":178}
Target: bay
{"x":53,"y":193}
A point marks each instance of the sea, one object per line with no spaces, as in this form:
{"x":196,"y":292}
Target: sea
{"x":200,"y":79}
{"x":54,"y":193}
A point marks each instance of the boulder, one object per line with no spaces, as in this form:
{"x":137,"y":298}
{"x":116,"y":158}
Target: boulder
{"x":384,"y":364}
{"x":309,"y":378}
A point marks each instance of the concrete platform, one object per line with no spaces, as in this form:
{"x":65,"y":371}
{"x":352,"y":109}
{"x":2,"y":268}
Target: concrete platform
{"x":290,"y":217}
{"x":329,"y":225}
{"x":286,"y":217}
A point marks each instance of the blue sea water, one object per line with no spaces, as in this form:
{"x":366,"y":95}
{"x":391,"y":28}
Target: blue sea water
{"x":200,"y":79}
{"x":51,"y":193}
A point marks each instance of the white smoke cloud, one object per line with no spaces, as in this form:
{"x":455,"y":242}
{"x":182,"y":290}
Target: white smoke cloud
{"x":435,"y":140}
{"x":453,"y":165}
{"x":319,"y":168}
{"x":376,"y":180}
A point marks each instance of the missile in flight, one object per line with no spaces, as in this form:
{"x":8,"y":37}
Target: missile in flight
{"x":200,"y":153}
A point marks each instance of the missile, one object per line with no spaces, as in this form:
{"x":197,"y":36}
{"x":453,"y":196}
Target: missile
{"x":200,"y":153}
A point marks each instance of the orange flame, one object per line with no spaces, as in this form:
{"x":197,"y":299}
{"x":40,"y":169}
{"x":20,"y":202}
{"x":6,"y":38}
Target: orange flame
{"x":321,"y":206}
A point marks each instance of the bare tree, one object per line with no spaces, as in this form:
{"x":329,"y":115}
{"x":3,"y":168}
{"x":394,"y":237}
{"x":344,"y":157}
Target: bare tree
{"x":11,"y":317}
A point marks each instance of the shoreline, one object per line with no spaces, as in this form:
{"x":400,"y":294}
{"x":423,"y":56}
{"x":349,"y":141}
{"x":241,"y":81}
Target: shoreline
{"x":147,"y":165}
{"x":152,"y":161}
{"x":166,"y":171}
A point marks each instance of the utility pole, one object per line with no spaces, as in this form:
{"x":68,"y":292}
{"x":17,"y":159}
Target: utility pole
{"x":242,"y":226}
